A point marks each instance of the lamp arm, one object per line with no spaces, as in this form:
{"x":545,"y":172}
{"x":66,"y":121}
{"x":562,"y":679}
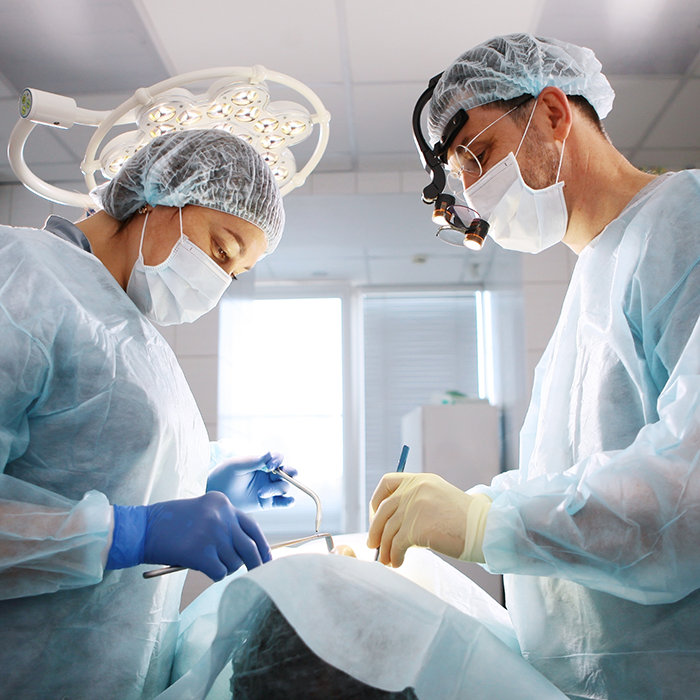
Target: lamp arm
{"x":15,"y":154}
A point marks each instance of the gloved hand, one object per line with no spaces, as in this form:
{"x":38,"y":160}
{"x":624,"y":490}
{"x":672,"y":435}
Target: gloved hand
{"x":205,"y":533}
{"x":424,"y":510}
{"x":248,"y":483}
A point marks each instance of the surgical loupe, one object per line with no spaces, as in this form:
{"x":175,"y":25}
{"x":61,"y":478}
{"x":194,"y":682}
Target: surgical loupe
{"x":237,"y":101}
{"x":290,"y":543}
{"x":459,"y":225}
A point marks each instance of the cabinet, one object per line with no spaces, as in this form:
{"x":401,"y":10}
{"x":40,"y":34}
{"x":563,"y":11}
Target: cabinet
{"x":461,"y":443}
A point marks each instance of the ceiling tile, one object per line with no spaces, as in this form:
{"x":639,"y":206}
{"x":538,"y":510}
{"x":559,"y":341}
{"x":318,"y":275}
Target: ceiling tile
{"x":333,"y":162}
{"x":383,"y":116}
{"x":379,"y":162}
{"x":77,"y":46}
{"x":335,"y":183}
{"x":297,"y":38}
{"x":629,"y":37}
{"x":7,"y":89}
{"x":678,"y":127}
{"x":395,"y":40}
{"x":638,"y":101}
{"x":378,"y":183}
{"x":294,"y":248}
{"x":314,"y":268}
{"x":431,"y":247}
{"x":358,"y":220}
{"x":414,"y":180}
{"x":403,"y":270}
{"x":28,"y":209}
{"x":6,"y":175}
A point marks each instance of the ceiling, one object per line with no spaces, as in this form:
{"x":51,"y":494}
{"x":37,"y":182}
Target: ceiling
{"x":359,"y":217}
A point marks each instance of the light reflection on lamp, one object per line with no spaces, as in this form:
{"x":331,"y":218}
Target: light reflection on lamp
{"x":189,"y":117}
{"x":244,"y":97}
{"x":272,"y":141}
{"x":162,"y":113}
{"x":292,"y":128}
{"x":219,"y":111}
{"x":160,"y":130}
{"x":266,"y":126}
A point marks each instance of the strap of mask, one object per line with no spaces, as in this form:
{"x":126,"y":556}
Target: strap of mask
{"x":179,"y":210}
{"x":532,"y":114}
{"x":529,"y":121}
{"x":561,"y":160}
{"x":143,"y":233}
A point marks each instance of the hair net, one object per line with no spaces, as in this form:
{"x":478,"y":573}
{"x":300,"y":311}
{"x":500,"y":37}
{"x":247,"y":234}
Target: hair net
{"x":510,"y":66}
{"x":209,"y":168}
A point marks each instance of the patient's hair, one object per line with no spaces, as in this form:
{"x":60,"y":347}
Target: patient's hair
{"x":275,"y":664}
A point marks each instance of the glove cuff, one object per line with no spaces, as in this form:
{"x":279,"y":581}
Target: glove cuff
{"x":129,"y":537}
{"x":476,"y":525}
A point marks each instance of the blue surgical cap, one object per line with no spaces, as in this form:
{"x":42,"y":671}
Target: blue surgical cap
{"x":510,"y":66}
{"x":207,"y":167}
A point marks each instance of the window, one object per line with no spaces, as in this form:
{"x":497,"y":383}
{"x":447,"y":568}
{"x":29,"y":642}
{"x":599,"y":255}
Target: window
{"x":281,"y":389}
{"x":415,"y":346}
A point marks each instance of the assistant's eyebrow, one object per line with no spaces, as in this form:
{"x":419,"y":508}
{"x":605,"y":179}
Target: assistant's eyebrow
{"x":238,"y":238}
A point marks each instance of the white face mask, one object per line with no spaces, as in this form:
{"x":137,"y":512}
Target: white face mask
{"x":520,"y":218}
{"x":179,"y":290}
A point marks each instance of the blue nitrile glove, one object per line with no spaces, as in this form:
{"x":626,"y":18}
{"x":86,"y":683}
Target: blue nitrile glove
{"x":206,"y":533}
{"x":249,"y":483}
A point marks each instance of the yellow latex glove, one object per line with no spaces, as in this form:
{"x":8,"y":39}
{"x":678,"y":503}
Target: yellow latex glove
{"x":424,"y":510}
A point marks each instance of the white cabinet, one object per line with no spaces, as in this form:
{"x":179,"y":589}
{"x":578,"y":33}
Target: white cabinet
{"x":461,"y":443}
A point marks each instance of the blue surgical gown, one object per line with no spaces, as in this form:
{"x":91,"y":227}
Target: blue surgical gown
{"x":598,"y":531}
{"x":94,"y":410}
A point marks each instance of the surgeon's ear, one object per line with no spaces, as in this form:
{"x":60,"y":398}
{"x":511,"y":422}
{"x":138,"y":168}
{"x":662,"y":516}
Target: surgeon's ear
{"x":557,"y":113}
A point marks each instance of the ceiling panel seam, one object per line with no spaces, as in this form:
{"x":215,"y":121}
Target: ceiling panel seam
{"x":344,"y":41}
{"x":161,"y":50}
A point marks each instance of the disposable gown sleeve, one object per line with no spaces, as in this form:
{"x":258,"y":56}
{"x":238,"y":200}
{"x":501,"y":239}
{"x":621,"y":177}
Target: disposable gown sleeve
{"x":47,"y":542}
{"x":626,"y":522}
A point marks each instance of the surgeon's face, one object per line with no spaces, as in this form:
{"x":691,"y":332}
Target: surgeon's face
{"x":234,"y":244}
{"x":491,"y":139}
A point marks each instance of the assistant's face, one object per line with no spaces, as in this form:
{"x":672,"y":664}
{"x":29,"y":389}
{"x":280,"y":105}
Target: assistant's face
{"x":234,"y":244}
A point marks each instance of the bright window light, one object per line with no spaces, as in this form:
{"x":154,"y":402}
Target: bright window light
{"x":281,"y":389}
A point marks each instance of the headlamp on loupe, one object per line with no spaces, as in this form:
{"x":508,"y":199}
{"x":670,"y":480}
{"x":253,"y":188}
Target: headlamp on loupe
{"x":459,"y":225}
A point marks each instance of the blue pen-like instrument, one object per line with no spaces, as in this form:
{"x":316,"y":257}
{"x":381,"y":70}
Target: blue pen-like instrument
{"x":401,"y":466}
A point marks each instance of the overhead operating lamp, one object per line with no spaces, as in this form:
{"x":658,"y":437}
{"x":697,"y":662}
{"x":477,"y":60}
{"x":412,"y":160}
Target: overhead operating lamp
{"x":459,"y":225}
{"x":237,"y":101}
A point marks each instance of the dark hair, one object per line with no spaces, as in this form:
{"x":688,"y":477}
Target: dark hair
{"x":521,"y":113}
{"x":273,"y":663}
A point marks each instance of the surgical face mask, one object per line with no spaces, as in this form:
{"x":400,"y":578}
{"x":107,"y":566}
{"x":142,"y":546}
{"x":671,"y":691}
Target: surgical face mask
{"x":179,"y":290}
{"x":520,"y":217}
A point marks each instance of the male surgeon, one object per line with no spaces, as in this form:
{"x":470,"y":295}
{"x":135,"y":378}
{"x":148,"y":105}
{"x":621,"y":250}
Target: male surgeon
{"x":598,"y":531}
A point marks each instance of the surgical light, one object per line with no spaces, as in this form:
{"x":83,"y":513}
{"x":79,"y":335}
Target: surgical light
{"x":238,"y":101}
